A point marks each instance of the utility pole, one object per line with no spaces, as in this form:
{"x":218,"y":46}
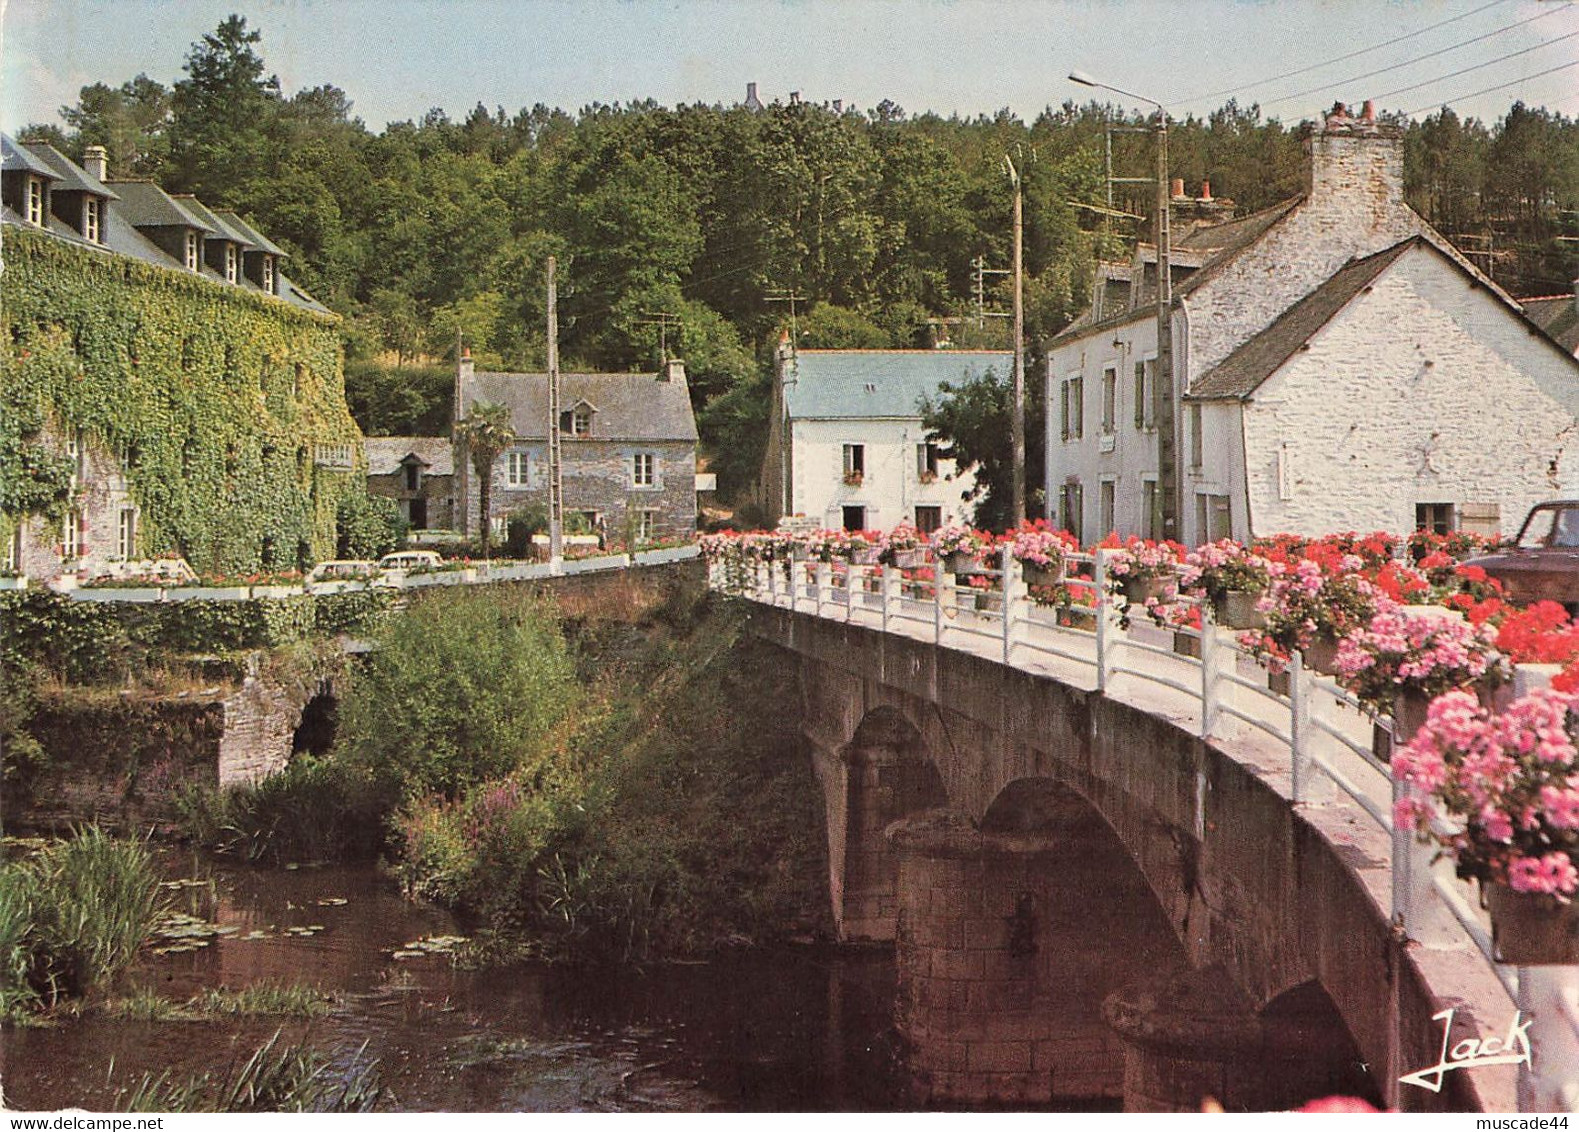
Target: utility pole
{"x":662,"y":320}
{"x":787,"y":295}
{"x":556,"y":499}
{"x":982,"y":271}
{"x":784,"y":295}
{"x":1017,"y":408}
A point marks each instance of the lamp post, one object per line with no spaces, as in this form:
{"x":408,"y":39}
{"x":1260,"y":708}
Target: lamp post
{"x":1166,"y":516}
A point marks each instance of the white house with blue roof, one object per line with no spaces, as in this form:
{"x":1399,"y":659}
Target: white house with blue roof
{"x":847,"y":447}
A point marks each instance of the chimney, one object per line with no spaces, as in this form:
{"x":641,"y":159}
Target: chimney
{"x":1368,"y":113}
{"x":751,"y":94}
{"x":838,"y":106}
{"x":1356,"y":169}
{"x":673,"y":372}
{"x":1178,"y":187}
{"x":96,"y":160}
{"x":794,"y":98}
{"x":1206,"y":190}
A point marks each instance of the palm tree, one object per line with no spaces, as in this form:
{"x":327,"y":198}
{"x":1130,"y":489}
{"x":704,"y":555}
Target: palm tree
{"x":486,"y":433}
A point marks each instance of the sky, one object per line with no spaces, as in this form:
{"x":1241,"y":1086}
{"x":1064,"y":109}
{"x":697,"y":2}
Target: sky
{"x":397,"y":59}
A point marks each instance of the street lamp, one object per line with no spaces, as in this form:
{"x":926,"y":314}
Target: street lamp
{"x":1167,"y":515}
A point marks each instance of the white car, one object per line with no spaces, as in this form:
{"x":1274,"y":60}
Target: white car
{"x":342,"y":570}
{"x":411,"y":561}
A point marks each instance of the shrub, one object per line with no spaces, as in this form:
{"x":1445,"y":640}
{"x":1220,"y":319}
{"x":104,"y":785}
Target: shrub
{"x":367,"y":526}
{"x":521,"y":526}
{"x":466,"y":686}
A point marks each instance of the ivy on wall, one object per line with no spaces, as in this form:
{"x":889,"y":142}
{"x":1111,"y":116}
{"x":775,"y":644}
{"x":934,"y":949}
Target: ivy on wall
{"x":214,"y":397}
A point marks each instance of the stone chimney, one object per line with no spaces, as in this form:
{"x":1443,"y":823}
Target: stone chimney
{"x":1178,"y":188}
{"x":1206,"y":190}
{"x":1356,"y":168}
{"x":96,"y":160}
{"x":752,"y":101}
{"x":673,"y":372}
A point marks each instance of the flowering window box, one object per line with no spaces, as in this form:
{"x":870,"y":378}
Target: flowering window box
{"x":854,"y":479}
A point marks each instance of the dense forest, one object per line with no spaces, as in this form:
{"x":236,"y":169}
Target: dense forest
{"x":712,"y":227}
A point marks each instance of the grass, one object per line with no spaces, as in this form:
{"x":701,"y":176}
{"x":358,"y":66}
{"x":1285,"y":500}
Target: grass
{"x":288,"y":1000}
{"x":72,"y":915}
{"x":276,"y":1078}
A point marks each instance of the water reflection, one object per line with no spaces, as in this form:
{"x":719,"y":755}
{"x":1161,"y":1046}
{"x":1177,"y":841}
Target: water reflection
{"x":804,"y":1029}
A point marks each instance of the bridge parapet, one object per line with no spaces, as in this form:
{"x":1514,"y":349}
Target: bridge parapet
{"x":1311,"y":744}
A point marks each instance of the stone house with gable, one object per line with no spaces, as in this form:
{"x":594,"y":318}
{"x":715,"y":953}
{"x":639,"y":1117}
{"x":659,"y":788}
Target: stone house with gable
{"x":627,"y":451}
{"x":846,"y":446}
{"x":1338,"y":365}
{"x":292,"y":420}
{"x":418,"y":473}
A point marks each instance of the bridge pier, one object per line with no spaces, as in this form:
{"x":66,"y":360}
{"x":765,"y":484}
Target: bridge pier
{"x":1004,"y":953}
{"x":1192,"y":1036}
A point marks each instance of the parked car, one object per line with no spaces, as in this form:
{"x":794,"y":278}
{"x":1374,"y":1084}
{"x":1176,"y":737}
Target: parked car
{"x":411,"y":561}
{"x":1542,"y":563}
{"x":342,"y":570}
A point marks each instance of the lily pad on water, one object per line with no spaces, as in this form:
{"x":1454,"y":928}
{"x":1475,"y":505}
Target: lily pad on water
{"x":430,"y":945}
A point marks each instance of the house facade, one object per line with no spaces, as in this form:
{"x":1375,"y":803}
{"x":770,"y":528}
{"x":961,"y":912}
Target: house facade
{"x":627,"y":451}
{"x":418,"y":473}
{"x":1337,"y":365}
{"x":846,"y":447}
{"x":159,"y":406}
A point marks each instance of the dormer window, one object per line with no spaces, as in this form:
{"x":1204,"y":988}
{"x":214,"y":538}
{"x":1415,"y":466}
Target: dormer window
{"x":93,"y":219}
{"x":192,"y":251}
{"x":268,"y":274}
{"x":230,"y":263}
{"x":35,"y":201}
{"x":576,"y":421}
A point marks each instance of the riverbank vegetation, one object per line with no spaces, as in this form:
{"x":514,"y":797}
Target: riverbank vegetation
{"x":611,"y":776}
{"x":276,"y":1077}
{"x":72,"y":915}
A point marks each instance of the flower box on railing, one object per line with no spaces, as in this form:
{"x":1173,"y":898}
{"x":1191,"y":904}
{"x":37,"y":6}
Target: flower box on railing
{"x":1236,"y":609}
{"x":1043,"y":575}
{"x":963,"y":562}
{"x":1532,"y":929}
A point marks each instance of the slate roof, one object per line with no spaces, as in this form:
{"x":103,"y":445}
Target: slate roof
{"x":1242,"y":372}
{"x":253,"y":236}
{"x":215,"y":223}
{"x":1558,"y":315}
{"x":386,"y":453}
{"x":868,"y":384}
{"x":69,"y":176}
{"x":631,"y":406}
{"x":146,"y":205}
{"x":16,"y":159}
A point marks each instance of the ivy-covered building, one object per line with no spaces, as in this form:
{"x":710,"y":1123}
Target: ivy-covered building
{"x":164,"y":387}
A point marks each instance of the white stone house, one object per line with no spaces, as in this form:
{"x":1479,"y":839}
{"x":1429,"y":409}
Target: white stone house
{"x":1338,"y":365}
{"x":846,"y":447}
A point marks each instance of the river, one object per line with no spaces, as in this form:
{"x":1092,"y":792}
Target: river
{"x":782,"y":1030}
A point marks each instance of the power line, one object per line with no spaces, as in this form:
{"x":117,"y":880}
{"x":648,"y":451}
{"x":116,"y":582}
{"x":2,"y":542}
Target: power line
{"x":1417,"y":58}
{"x":1491,"y":89}
{"x":1476,"y":67}
{"x":1339,"y":58}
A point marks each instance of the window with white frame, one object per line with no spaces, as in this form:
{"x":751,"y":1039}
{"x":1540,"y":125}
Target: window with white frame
{"x":517,"y":469}
{"x":126,"y":534}
{"x":1434,"y":517}
{"x":74,"y":454}
{"x":646,"y":524}
{"x":581,"y":421}
{"x":71,"y":535}
{"x":92,"y":220}
{"x":11,"y":552}
{"x":193,"y":250}
{"x":268,"y":274}
{"x":927,"y":462}
{"x":1109,"y":399}
{"x":35,"y":201}
{"x":644,"y":469}
{"x":230,"y":263}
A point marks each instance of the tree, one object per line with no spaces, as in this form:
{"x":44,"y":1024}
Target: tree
{"x":971,"y":422}
{"x":129,"y":121}
{"x":222,"y":111}
{"x":486,"y":433}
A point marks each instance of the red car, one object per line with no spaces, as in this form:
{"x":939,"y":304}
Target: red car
{"x":1542,"y":563}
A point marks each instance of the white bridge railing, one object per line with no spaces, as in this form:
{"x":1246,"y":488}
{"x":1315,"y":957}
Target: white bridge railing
{"x":1202,"y":679}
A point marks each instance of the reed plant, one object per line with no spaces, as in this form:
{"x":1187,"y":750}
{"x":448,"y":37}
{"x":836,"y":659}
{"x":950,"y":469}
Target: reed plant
{"x":277,"y":1077}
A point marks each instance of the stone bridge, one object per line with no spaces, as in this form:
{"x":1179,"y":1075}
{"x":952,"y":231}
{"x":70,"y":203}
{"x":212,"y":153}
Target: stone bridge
{"x":1089,"y":901}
